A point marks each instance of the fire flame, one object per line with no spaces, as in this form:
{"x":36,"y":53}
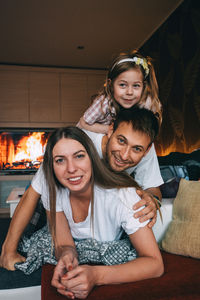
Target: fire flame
{"x":30,"y":149}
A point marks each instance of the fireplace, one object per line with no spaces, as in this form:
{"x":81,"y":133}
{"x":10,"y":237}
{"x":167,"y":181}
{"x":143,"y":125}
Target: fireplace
{"x":22,"y":150}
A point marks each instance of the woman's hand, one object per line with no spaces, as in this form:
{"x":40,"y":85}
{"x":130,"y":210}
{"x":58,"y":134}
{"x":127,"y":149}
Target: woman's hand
{"x":68,"y":260}
{"x":68,"y":255}
{"x":149,"y":212}
{"x":8,"y":259}
{"x":78,"y":282}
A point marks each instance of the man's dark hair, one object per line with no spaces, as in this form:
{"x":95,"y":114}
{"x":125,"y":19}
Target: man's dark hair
{"x":141,"y":119}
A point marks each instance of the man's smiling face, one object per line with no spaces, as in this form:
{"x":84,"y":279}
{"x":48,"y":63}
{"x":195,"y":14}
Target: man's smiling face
{"x":126,"y":147}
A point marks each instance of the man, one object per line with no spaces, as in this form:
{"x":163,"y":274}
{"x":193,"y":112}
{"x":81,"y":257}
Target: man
{"x":128,"y":146}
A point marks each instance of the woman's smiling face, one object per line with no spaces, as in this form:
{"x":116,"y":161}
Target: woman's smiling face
{"x":72,"y":165}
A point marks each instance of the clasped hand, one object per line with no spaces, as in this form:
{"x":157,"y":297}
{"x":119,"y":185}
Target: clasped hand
{"x":72,"y":280}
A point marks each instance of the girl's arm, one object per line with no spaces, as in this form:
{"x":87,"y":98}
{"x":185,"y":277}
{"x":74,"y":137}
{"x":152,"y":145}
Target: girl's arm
{"x":96,"y":127}
{"x":149,"y":264}
{"x":20,"y":219}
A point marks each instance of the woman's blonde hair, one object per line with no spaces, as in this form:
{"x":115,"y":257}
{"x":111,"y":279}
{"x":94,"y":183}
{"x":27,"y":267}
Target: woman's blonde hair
{"x":102,"y":175}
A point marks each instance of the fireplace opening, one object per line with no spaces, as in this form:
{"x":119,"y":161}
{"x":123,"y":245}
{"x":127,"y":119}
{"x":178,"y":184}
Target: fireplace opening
{"x":22,"y":150}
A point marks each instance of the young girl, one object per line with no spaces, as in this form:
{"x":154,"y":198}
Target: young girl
{"x":92,"y":202}
{"x":130,"y":80}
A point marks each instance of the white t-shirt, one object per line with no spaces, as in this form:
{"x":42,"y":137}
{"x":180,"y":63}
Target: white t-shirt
{"x":113,"y":212}
{"x":147,"y":171}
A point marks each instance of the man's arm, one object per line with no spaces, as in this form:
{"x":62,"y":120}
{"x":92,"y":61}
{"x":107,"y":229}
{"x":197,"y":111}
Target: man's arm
{"x":155,"y":191}
{"x":148,"y":175}
{"x":20,"y":219}
{"x":151,"y":203}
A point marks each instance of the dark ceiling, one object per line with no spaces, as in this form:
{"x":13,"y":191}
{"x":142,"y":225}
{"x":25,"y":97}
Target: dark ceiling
{"x":79,"y":33}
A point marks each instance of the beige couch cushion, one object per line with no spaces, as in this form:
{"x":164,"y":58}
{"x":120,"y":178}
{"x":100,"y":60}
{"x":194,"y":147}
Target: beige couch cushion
{"x":183,"y":234}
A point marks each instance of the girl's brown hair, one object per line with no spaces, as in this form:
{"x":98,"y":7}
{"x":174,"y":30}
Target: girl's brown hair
{"x":150,"y":90}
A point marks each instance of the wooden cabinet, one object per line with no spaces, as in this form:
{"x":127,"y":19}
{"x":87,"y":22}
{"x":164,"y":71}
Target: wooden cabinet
{"x":14,"y":105}
{"x":95,"y":84}
{"x":45,"y":97}
{"x":74,"y":98}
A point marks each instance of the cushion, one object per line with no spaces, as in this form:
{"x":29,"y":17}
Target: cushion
{"x":169,"y":189}
{"x":182,"y":236}
{"x":169,"y":172}
{"x":193,"y":168}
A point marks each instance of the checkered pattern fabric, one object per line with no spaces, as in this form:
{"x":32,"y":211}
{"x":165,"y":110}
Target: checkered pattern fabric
{"x":99,"y":112}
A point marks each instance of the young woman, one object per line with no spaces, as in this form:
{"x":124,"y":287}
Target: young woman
{"x":91,"y":201}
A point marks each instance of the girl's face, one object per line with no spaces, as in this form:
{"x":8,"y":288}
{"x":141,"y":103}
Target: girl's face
{"x":72,"y":165}
{"x":128,"y":87}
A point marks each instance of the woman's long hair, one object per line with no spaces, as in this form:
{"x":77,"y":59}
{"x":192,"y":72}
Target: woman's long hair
{"x":102,"y":175}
